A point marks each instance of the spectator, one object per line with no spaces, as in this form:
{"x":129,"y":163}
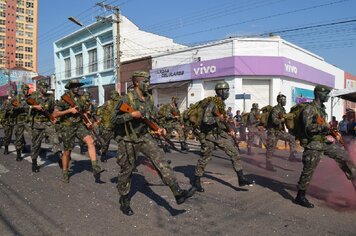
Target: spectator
{"x":343,"y":125}
{"x":333,"y":123}
{"x":229,"y":112}
{"x":351,"y":127}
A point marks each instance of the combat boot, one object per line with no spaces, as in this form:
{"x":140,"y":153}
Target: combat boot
{"x":197,"y":184}
{"x":103,"y":157}
{"x":97,"y":170}
{"x":125,"y":205}
{"x":35,"y":167}
{"x":18,"y":155}
{"x":243,"y":181}
{"x":6,"y":151}
{"x":269,"y":166}
{"x":302,"y":200}
{"x":184,"y":146}
{"x":181,"y":195}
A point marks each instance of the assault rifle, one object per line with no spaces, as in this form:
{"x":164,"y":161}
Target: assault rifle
{"x":124,"y":107}
{"x":334,"y":133}
{"x":84,"y":116}
{"x":33,"y":102}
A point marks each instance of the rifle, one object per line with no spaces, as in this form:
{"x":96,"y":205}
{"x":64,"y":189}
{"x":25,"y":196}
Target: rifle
{"x":334,"y":133}
{"x":124,"y":107}
{"x":84,"y":116}
{"x":33,"y":102}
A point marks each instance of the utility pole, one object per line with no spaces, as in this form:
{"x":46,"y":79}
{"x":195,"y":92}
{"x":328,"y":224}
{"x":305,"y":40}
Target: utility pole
{"x":116,"y":11}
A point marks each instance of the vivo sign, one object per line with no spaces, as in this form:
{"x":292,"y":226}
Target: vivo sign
{"x":290,"y":68}
{"x":202,"y":70}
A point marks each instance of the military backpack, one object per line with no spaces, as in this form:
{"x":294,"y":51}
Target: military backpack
{"x":265,"y":114}
{"x":294,"y":121}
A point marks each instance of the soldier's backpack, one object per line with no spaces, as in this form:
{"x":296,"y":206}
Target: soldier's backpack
{"x":294,"y":121}
{"x":194,"y":115}
{"x":264,"y":116}
{"x":244,"y":118}
{"x":163,"y":110}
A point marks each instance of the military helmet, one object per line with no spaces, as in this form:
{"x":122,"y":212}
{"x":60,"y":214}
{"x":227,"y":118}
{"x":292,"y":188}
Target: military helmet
{"x":73,"y":83}
{"x":322,"y":88}
{"x":140,"y":73}
{"x":254,"y":105}
{"x":42,"y":84}
{"x":114,"y":95}
{"x":222,"y":85}
{"x":25,"y":86}
{"x":175,"y":98}
{"x":279,"y":96}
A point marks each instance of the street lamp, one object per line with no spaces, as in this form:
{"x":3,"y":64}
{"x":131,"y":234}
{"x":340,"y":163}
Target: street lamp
{"x":77,"y":22}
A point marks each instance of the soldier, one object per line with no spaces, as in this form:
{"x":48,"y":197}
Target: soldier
{"x":276,"y":131}
{"x":253,"y":122}
{"x":213,"y":131}
{"x":170,"y":117}
{"x":72,"y":126}
{"x":21,"y":111}
{"x":133,"y":136}
{"x":106,"y":128}
{"x":41,"y":123}
{"x":316,"y":144}
{"x":9,"y":120}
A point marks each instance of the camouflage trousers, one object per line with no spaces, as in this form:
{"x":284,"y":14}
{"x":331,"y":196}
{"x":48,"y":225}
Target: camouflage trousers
{"x":20,"y":141}
{"x":127,"y":160}
{"x":224,"y":142}
{"x":107,"y":135}
{"x":254,"y":131}
{"x":312,"y":155}
{"x":8,"y":130}
{"x":272,"y":138}
{"x":69,"y":133}
{"x":43,"y":130}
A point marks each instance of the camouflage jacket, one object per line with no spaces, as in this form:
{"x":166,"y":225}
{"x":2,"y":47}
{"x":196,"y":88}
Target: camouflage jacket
{"x":169,"y":112}
{"x":105,"y":112}
{"x":125,"y":127}
{"x":212,"y":117}
{"x":253,"y":118}
{"x":274,"y":119}
{"x":47,"y":102}
{"x":22,"y":110}
{"x":314,"y":129}
{"x":9,"y":113}
{"x":71,"y":119}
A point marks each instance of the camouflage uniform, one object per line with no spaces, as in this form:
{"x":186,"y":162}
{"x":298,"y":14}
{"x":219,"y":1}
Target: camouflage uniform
{"x":133,"y":136}
{"x":42,"y":126}
{"x":168,"y":116}
{"x":276,"y":131}
{"x":106,"y":128}
{"x":316,"y":144}
{"x":213,"y":131}
{"x":8,"y":123}
{"x":254,"y":129}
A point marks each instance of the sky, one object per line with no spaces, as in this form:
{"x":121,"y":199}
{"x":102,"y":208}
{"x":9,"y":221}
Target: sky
{"x":326,"y":28}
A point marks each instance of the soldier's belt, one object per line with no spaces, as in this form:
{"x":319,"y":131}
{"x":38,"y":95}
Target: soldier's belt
{"x":41,"y":119}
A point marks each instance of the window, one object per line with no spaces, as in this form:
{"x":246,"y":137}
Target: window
{"x":79,"y":64}
{"x":108,"y":56}
{"x":19,"y":17}
{"x":20,"y":2}
{"x":29,"y":12}
{"x":28,"y":64}
{"x":29,"y":4}
{"x":2,"y":29}
{"x":29,"y":26}
{"x":29,"y":34}
{"x":2,"y":14}
{"x":18,"y":25}
{"x":28,"y":56}
{"x":29,"y":19}
{"x":19,"y":48}
{"x":28,"y":49}
{"x":20,"y":10}
{"x":67,"y":68}
{"x":2,"y":22}
{"x":19,"y":63}
{"x":2,"y":6}
{"x":93,"y":62}
{"x":19,"y":55}
{"x":19,"y":40}
{"x":19,"y":33}
{"x":29,"y":41}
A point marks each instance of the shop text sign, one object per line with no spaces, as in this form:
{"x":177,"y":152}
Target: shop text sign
{"x":170,"y":74}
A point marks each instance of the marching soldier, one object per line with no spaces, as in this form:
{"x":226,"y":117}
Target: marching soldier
{"x":316,"y":144}
{"x":276,"y":131}
{"x":133,"y":136}
{"x":253,"y":122}
{"x":106,"y":128}
{"x":42,"y":122}
{"x":213,"y":132}
{"x":72,"y":126}
{"x":9,"y":121}
{"x":170,"y":117}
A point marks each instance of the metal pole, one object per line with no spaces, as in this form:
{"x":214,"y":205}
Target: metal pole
{"x":118,"y":54}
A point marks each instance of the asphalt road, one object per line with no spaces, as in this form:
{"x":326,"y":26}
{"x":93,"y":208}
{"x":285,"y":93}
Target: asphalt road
{"x":40,"y":204}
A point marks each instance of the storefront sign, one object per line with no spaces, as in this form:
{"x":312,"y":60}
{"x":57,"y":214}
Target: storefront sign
{"x":170,"y":74}
{"x":88,"y":81}
{"x":301,"y":95}
{"x":212,"y":68}
{"x":350,"y":84}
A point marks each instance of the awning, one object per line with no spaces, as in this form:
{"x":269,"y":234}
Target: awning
{"x":170,"y":85}
{"x":346,"y":94}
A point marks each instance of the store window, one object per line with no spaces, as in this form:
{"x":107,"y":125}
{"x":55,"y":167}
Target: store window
{"x":108,"y":56}
{"x":79,"y":64}
{"x":93,"y":61}
{"x":67,"y":68}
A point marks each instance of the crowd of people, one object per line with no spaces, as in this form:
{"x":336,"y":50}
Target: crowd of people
{"x":138,"y":126}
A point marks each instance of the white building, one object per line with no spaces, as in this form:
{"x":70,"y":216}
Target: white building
{"x":89,"y":54}
{"x":257,"y":67}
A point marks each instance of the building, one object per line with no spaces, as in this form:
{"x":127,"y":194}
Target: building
{"x":257,"y":70}
{"x":90,"y":54}
{"x":18,"y":34}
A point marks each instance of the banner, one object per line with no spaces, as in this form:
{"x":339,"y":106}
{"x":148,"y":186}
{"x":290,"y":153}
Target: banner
{"x":301,"y":95}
